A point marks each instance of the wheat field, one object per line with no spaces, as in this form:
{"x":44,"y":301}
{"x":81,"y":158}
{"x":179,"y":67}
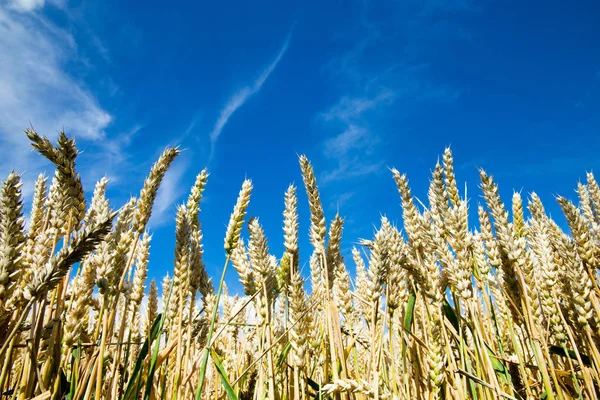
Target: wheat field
{"x":434,"y":309}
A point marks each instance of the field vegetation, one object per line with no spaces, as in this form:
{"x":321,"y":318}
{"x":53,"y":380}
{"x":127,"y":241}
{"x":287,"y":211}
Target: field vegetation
{"x":437,"y":308}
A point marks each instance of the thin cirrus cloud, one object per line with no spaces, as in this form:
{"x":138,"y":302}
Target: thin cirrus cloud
{"x":35,"y":84}
{"x":350,"y":150}
{"x":37,"y":88}
{"x":31,"y":5}
{"x":242,"y":95}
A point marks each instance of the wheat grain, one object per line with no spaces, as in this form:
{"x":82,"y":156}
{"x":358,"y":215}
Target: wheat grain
{"x":236,"y":221}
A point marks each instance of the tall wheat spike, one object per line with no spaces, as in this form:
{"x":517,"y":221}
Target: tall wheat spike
{"x":442,"y":304}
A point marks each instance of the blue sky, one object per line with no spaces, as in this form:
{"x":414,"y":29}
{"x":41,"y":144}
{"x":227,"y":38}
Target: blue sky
{"x":244,"y":87}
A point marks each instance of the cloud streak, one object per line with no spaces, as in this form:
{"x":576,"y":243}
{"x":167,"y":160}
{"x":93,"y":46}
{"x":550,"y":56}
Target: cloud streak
{"x":35,"y":85}
{"x":37,"y":88}
{"x":242,"y":95}
{"x":31,"y":5}
{"x":377,"y":88}
{"x":350,"y":150}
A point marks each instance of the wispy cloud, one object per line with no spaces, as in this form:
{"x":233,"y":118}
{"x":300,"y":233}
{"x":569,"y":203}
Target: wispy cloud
{"x":350,"y":149}
{"x":192,"y":125}
{"x":341,"y":200}
{"x":242,"y":95}
{"x":31,"y":5}
{"x":36,"y":87}
{"x":376,"y":89}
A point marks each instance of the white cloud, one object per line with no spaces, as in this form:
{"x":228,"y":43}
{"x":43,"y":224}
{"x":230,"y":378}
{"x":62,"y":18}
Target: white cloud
{"x":352,"y":138}
{"x":372,"y":85}
{"x":350,"y":149}
{"x":351,"y":168}
{"x":242,"y":95}
{"x":31,"y":5}
{"x":36,"y":87}
{"x":26,"y":5}
{"x":341,"y":200}
{"x":352,"y":108}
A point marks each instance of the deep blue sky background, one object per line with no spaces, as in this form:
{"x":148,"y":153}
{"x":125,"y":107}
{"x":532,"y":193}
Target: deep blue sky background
{"x":244,"y":87}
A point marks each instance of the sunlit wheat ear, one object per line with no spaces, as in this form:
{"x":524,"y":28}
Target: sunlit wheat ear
{"x":181,"y":270}
{"x":150,"y":188}
{"x":152,"y":305}
{"x":100,"y":207}
{"x":290,"y":260}
{"x":587,"y":207}
{"x":299,"y":321}
{"x":236,"y":221}
{"x":536,"y":207}
{"x":450,"y":180}
{"x":362,"y":283}
{"x":73,"y":200}
{"x":594,"y":193}
{"x":290,"y":225}
{"x":350,"y":386}
{"x":123,"y":237}
{"x":112,"y":252}
{"x":317,"y":281}
{"x":195,"y":196}
{"x":379,"y":260}
{"x":397,"y":282}
{"x":206,"y":287}
{"x":435,"y":357}
{"x":43,"y":145}
{"x":83,"y":243}
{"x":492,"y":198}
{"x":35,"y":235}
{"x":341,"y":291}
{"x":548,"y":275}
{"x":81,"y":290}
{"x":511,"y":251}
{"x":258,"y":249}
{"x":239,"y":259}
{"x":198,"y":277}
{"x":333,"y":253}
{"x":518,"y":216}
{"x":459,"y":240}
{"x":12,"y":236}
{"x":318,"y":228}
{"x":437,"y":195}
{"x":580,"y":232}
{"x":198,"y":273}
{"x":67,"y":199}
{"x":488,"y":238}
{"x":335,"y":238}
{"x":579,"y":282}
{"x":410,"y":213}
{"x":38,"y":257}
{"x":140,"y":274}
{"x":283,"y":274}
{"x":38,"y":208}
{"x":57,"y":215}
{"x":479,"y":258}
{"x":428,"y":275}
{"x":262,"y":263}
